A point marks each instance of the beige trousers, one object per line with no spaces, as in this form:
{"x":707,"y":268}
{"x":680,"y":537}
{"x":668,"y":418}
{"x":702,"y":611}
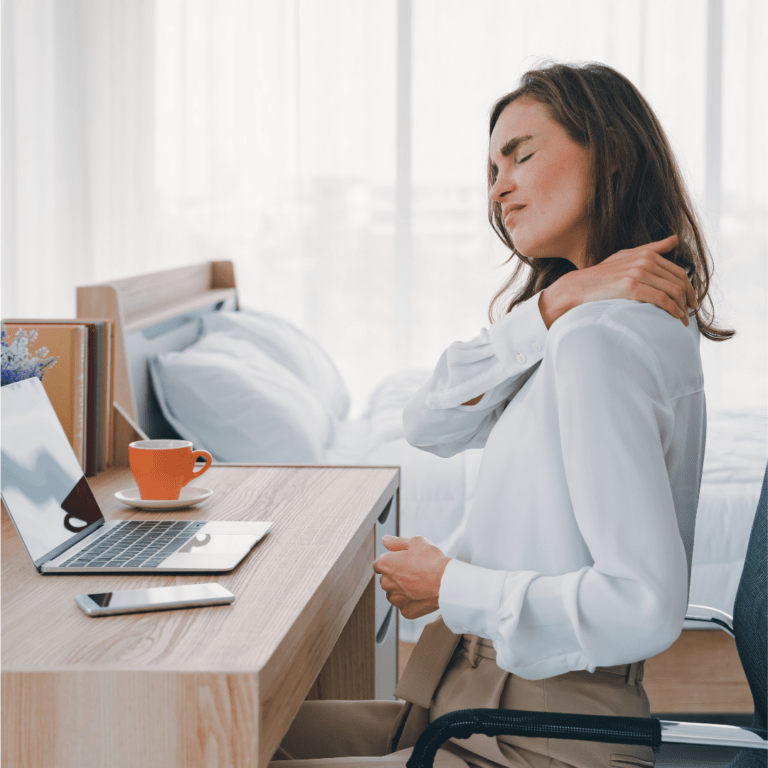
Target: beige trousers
{"x":447,"y":672}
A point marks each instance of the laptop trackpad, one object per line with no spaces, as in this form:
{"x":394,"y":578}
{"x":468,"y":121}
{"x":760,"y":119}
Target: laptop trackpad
{"x":209,"y":552}
{"x":206,"y":543}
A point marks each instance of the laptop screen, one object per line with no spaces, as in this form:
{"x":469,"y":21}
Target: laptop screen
{"x":43,"y":486}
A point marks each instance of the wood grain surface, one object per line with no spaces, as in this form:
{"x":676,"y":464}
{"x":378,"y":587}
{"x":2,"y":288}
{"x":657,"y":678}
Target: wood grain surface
{"x":701,"y":672}
{"x":213,"y":686}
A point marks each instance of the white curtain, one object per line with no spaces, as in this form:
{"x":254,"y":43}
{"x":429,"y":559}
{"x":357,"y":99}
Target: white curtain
{"x":335,"y":151}
{"x":275,"y":148}
{"x":77,"y":149}
{"x":466,"y":55}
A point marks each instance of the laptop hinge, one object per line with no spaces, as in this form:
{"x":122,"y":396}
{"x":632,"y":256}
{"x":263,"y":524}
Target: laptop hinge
{"x":68,"y":544}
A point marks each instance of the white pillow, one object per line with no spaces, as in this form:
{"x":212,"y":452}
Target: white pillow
{"x":289,"y":347}
{"x":230,"y":398}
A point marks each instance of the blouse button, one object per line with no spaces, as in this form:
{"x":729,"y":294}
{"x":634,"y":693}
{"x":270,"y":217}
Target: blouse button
{"x":536,"y":347}
{"x":521,"y":358}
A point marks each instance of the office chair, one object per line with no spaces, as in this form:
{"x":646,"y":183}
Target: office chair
{"x":748,"y":627}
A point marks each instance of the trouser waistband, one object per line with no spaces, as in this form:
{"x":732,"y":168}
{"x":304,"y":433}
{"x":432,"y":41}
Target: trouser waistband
{"x":482,"y":648}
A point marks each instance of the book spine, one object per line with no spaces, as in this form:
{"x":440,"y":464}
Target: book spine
{"x":99,"y":398}
{"x":91,"y":462}
{"x":110,"y":416}
{"x":80,"y":394}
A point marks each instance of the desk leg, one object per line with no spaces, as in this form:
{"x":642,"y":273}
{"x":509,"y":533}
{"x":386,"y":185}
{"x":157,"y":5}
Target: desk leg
{"x":350,"y":670}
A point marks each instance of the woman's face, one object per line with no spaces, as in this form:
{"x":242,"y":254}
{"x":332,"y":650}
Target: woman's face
{"x":543,"y":183}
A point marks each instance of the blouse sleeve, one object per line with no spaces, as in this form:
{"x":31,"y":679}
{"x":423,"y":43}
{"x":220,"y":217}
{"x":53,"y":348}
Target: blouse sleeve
{"x":616,"y":423}
{"x":495,"y":364}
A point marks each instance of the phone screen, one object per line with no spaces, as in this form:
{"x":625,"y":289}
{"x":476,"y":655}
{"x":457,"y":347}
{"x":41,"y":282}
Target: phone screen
{"x":155,"y":598}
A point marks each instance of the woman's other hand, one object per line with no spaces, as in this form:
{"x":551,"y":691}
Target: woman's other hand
{"x":411,"y":573}
{"x":641,"y":273}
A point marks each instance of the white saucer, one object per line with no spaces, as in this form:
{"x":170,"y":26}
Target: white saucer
{"x":189,"y":496}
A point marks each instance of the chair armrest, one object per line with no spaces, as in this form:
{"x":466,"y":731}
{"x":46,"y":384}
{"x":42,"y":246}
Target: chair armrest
{"x":553,"y":725}
{"x":705,"y":614}
{"x":675,"y":732}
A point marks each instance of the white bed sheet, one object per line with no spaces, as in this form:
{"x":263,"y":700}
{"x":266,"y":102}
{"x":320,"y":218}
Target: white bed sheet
{"x":436,"y":493}
{"x":734,"y":464}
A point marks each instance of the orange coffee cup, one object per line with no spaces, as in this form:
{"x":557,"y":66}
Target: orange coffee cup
{"x":161,"y":468}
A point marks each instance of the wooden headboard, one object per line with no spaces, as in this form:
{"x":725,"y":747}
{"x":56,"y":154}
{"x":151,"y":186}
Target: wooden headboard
{"x":153,"y":313}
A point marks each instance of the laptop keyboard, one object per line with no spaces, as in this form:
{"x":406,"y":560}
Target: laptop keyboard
{"x":136,"y":543}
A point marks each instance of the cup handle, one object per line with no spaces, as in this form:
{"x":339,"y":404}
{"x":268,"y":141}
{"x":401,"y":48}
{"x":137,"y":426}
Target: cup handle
{"x":191,"y":475}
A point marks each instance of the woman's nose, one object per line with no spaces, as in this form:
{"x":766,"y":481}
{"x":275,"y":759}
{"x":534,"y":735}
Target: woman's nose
{"x":501,"y":188}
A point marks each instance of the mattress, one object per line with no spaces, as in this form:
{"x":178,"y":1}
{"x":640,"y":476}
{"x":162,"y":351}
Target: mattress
{"x":436,"y":493}
{"x":734,"y":465}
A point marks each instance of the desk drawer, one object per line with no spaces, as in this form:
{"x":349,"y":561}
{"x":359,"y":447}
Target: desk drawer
{"x":385,"y":525}
{"x":386,"y":656}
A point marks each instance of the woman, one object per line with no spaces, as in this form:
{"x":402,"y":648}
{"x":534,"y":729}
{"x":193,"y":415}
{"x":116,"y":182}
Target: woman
{"x":574,"y":565}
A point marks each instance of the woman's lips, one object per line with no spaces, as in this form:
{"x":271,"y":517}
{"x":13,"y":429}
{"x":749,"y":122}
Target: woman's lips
{"x":511,"y":212}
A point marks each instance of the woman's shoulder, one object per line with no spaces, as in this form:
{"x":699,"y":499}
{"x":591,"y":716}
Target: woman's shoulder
{"x":652,"y":331}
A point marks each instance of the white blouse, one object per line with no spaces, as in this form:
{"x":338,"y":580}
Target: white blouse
{"x":577,"y":550}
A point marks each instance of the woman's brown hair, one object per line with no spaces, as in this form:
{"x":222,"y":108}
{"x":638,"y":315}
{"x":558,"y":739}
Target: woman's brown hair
{"x":638,"y":195}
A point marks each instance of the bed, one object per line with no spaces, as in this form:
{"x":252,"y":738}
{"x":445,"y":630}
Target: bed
{"x":163,"y":318}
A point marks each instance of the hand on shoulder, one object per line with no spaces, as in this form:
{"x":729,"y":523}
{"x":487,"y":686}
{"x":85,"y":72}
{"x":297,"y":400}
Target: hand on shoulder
{"x":641,"y":274}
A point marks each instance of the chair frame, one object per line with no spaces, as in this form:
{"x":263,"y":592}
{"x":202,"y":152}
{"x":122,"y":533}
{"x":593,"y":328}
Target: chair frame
{"x":650,"y":732}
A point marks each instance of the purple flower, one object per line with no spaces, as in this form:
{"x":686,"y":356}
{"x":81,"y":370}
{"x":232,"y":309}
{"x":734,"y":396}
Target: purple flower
{"x":18,"y":362}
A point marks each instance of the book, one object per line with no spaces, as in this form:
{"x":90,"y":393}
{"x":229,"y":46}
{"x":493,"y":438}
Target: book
{"x":109,"y":395}
{"x":65,"y":382}
{"x":98,"y":400}
{"x":99,"y":419}
{"x":91,"y":415}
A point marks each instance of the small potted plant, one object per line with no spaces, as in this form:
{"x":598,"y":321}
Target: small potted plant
{"x":18,"y":360}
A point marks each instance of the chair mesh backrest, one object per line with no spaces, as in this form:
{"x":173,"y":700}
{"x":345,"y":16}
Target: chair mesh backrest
{"x":750,"y":623}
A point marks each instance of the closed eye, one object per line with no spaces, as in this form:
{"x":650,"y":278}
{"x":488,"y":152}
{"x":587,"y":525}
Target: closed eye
{"x":523,"y":159}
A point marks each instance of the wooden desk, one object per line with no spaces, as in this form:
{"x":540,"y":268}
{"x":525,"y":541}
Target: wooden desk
{"x":214,"y":686}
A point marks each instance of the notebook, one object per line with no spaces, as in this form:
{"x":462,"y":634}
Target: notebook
{"x":60,"y":523}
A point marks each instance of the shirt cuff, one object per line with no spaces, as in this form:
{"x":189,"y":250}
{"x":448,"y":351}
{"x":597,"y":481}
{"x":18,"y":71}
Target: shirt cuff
{"x":518,"y":338}
{"x":469,"y":599}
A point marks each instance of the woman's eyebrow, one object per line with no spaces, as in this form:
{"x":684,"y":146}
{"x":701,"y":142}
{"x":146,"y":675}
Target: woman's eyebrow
{"x":513,"y":144}
{"x":509,"y":148}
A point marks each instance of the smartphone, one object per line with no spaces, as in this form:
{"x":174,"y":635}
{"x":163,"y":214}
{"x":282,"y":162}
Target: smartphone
{"x":154,"y":599}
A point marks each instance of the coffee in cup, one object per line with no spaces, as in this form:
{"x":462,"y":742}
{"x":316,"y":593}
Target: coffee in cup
{"x":162,"y":468}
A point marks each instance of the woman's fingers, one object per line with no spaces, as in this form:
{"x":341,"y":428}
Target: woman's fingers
{"x":661,"y":297}
{"x":646,"y":264}
{"x":394,"y":543}
{"x":388,"y":584}
{"x":663,"y":246}
{"x":659,"y":289}
{"x":640,"y":274}
{"x":682,"y":278}
{"x":671,"y":279}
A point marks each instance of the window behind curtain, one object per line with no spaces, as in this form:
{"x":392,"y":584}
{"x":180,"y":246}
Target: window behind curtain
{"x":276,"y":141}
{"x":467,"y":55}
{"x":276,"y":149}
{"x":144,"y":134}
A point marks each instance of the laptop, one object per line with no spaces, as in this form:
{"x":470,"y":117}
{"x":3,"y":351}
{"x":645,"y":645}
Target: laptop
{"x":60,"y":523}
